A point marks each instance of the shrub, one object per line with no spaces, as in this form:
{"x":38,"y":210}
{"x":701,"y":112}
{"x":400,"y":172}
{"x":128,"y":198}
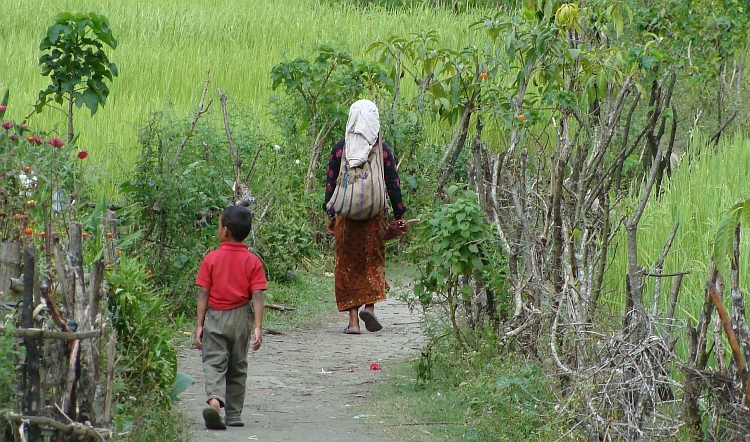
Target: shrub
{"x":10,"y":356}
{"x":145,"y":326}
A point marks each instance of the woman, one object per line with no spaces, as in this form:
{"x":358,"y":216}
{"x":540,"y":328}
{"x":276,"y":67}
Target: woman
{"x":360,"y":245}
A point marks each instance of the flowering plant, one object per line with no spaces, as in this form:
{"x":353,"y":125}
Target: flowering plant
{"x":38,"y":174}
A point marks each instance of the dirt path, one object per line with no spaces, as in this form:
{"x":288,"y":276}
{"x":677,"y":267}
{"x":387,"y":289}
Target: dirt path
{"x":311,"y":384}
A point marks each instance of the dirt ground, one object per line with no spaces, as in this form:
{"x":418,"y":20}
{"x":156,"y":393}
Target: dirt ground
{"x":311,"y":384}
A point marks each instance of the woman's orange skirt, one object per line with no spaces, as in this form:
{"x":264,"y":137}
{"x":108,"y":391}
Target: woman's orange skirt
{"x":360,"y":262}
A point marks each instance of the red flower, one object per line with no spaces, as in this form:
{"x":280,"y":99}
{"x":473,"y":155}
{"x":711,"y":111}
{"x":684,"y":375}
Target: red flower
{"x":29,"y":231}
{"x":374,"y":366}
{"x":85,"y":235}
{"x":41,"y":234}
{"x":56,"y":142}
{"x":35,"y":140}
{"x":82,"y":155}
{"x":13,"y":137}
{"x":24,"y":126}
{"x":27,"y":169}
{"x":7,"y":124}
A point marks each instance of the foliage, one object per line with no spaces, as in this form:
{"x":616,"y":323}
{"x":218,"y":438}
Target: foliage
{"x":321,"y":89}
{"x":148,"y":359}
{"x":454,"y":232}
{"x":283,"y":244}
{"x":76,"y":63}
{"x":450,"y":247}
{"x":10,"y":357}
{"x":179,"y":220}
{"x":39,"y":174}
{"x":505,"y":398}
{"x":151,"y":424}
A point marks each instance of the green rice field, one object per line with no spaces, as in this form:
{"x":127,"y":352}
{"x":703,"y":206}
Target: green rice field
{"x":166,"y":48}
{"x":702,"y":190}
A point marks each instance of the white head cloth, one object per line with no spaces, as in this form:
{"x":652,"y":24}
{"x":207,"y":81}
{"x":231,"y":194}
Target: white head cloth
{"x":362,"y":130}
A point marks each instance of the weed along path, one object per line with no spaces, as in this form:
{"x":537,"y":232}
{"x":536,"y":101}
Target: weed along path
{"x":311,"y":384}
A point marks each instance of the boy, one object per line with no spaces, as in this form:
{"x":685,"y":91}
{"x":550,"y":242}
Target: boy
{"x":229,"y":278}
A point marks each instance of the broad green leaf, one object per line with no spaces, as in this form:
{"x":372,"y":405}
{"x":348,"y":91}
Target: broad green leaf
{"x":92,"y":100}
{"x":477,"y":263}
{"x":181,"y":383}
{"x":725,"y":235}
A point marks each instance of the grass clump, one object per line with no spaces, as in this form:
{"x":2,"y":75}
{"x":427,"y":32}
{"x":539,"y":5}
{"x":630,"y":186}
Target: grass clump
{"x":480,"y":396}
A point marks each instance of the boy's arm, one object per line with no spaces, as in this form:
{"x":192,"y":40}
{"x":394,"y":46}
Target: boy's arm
{"x":200,"y":316}
{"x":258,"y":309}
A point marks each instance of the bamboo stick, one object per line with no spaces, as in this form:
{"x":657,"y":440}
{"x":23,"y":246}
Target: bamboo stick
{"x":37,"y":333}
{"x":736,"y":352}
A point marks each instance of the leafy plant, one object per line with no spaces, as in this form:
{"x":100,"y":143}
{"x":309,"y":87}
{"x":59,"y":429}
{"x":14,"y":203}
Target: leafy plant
{"x":323,"y":87}
{"x":148,"y":362}
{"x":283,"y":244}
{"x":453,"y":235}
{"x":10,"y":356}
{"x":76,"y":63}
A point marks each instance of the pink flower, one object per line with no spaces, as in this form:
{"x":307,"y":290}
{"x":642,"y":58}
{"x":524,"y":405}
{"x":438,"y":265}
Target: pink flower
{"x":374,"y":366}
{"x":82,"y":155}
{"x":24,"y":126}
{"x":13,"y":137}
{"x":56,"y":142}
{"x":3,"y":107}
{"x":7,"y":125}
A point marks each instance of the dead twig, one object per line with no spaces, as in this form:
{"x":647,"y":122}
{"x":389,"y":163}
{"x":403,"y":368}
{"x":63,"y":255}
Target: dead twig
{"x":198,"y":115}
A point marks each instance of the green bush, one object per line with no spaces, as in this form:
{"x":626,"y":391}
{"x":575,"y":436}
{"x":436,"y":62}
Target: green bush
{"x":145,"y":326}
{"x":10,"y":357}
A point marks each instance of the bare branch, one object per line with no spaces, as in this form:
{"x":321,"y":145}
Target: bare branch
{"x":198,"y":114}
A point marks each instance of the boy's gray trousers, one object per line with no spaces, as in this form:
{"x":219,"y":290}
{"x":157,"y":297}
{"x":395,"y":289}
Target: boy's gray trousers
{"x":226,"y":341}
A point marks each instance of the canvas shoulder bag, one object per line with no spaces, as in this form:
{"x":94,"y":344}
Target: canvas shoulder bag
{"x":360,"y":191}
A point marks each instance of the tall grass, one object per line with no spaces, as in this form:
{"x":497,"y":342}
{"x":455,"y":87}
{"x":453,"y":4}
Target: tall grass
{"x":702,"y":189}
{"x":166,"y":47}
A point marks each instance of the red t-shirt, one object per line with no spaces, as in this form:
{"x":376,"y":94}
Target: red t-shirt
{"x":231,"y":274}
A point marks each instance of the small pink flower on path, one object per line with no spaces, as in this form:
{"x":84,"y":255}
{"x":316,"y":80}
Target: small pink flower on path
{"x":374,"y":366}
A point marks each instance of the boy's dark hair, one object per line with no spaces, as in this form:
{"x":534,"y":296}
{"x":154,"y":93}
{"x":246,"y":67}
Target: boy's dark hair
{"x":238,"y":220}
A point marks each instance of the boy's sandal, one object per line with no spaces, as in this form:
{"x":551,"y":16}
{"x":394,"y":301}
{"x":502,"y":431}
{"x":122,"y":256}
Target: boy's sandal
{"x":235,"y":423}
{"x":371,"y":322}
{"x":212,"y":419}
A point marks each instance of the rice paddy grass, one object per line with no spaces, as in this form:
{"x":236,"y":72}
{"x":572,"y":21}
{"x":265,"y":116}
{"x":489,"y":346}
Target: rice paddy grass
{"x":706,"y":184}
{"x":167,"y":47}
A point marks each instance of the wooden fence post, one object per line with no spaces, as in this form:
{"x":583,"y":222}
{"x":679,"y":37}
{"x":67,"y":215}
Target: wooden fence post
{"x":31,"y":370}
{"x":10,"y":264}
